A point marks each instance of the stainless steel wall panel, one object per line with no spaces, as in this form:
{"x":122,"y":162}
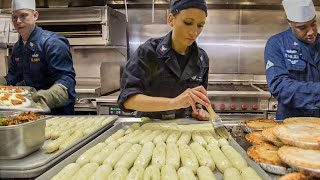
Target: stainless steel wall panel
{"x":234,"y":39}
{"x":251,"y":57}
{"x":4,"y":30}
{"x":256,"y":27}
{"x":97,"y":69}
{"x":220,"y":39}
{"x":143,"y":16}
{"x":257,"y":24}
{"x":5,"y":23}
{"x":139,"y":33}
{"x":87,"y":61}
{"x":3,"y":62}
{"x":141,"y":28}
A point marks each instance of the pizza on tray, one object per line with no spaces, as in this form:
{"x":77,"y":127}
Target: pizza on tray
{"x":13,"y":89}
{"x":13,"y":101}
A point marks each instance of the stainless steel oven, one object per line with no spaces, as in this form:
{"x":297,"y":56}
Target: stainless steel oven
{"x":98,"y":43}
{"x":273,"y":103}
{"x":235,"y":97}
{"x":232,"y":100}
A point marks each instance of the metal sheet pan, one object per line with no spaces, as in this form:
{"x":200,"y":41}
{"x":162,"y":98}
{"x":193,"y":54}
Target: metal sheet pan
{"x":72,"y":158}
{"x":39,"y":107}
{"x":38,"y":162}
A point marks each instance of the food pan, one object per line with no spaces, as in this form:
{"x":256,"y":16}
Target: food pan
{"x":39,"y":161}
{"x":39,"y":107}
{"x":124,"y":125}
{"x":17,"y":141}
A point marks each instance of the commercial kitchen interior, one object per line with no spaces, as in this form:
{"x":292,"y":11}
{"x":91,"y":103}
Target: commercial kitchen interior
{"x":104,"y":33}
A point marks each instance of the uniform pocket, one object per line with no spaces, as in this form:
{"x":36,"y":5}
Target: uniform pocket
{"x":164,"y":85}
{"x":295,"y":65}
{"x":197,"y":79}
{"x":37,"y":71}
{"x":297,"y":69}
{"x":36,"y":67}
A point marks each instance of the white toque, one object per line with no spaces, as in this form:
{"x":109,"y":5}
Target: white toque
{"x":23,"y":4}
{"x":299,"y":10}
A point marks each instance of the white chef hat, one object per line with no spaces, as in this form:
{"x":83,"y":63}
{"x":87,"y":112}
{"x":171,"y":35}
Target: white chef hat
{"x":299,"y":10}
{"x":23,"y":4}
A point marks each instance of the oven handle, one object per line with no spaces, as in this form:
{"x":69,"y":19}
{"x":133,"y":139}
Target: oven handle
{"x":242,"y":116}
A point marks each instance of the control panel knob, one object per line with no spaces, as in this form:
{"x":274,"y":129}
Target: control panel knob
{"x":233,"y":107}
{"x":255,"y":107}
{"x":244,"y":106}
{"x":275,"y":106}
{"x":222,"y":106}
{"x":213,"y":106}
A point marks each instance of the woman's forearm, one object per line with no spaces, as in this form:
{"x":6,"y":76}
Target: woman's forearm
{"x":145,"y":103}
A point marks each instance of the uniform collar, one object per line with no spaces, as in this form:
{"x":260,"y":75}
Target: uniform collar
{"x":299,"y":45}
{"x":164,"y":47}
{"x":31,"y":42}
{"x":164,"y":50}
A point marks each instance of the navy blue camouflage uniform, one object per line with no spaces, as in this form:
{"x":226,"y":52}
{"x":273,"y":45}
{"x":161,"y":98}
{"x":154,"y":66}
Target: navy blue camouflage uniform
{"x":153,"y":70}
{"x":43,"y":61}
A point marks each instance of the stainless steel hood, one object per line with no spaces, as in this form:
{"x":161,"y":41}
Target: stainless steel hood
{"x":159,"y":3}
{"x":209,"y":2}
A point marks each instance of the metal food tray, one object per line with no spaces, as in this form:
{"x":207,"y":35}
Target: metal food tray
{"x":39,"y":107}
{"x":275,"y":169}
{"x":38,"y":162}
{"x":313,"y":173}
{"x":72,"y":158}
{"x":17,"y":141}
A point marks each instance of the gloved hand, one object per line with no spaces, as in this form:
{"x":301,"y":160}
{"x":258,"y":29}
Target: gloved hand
{"x":3,"y":81}
{"x":56,"y":96}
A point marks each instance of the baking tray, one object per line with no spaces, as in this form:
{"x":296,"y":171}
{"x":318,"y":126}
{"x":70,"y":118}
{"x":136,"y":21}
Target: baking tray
{"x":72,"y":158}
{"x":38,"y":162}
{"x":275,"y":169}
{"x":312,"y":173}
{"x":39,"y":107}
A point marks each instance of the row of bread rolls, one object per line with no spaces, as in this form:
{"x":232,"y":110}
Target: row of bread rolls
{"x":164,"y":153}
{"x":66,"y":131}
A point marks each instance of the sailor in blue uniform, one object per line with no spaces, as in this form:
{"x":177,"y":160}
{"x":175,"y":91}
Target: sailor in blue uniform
{"x":292,"y":62}
{"x":167,"y":75}
{"x":41,"y":59}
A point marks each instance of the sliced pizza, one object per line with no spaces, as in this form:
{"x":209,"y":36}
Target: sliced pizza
{"x":13,"y":89}
{"x":13,"y":101}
